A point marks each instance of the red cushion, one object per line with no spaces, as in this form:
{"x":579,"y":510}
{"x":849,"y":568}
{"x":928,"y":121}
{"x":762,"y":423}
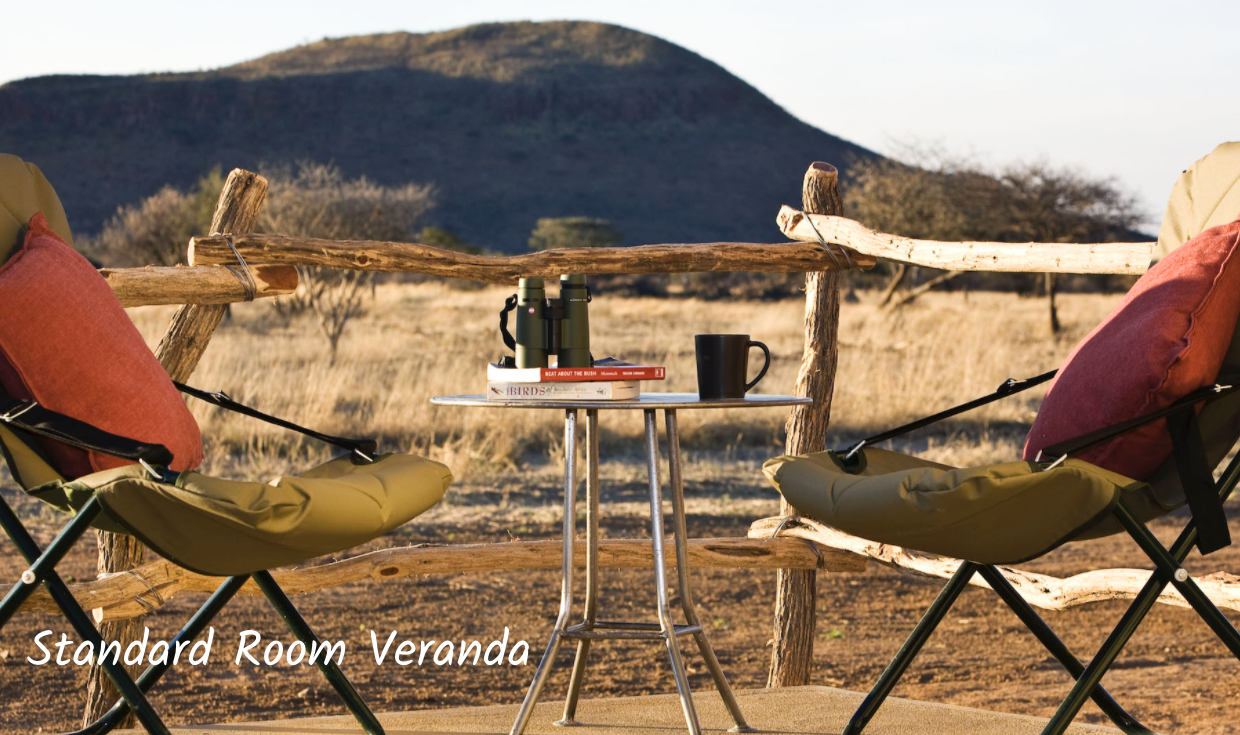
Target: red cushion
{"x":66,"y":342}
{"x":1166,"y":339}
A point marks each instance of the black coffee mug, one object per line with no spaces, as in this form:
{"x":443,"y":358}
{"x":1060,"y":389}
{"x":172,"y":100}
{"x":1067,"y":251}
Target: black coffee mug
{"x":723,"y":363}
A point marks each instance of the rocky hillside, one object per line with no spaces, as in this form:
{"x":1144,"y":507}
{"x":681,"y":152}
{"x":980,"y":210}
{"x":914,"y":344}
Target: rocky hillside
{"x":510,"y":121}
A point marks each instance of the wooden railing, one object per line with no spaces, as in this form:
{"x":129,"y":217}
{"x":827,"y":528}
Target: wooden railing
{"x":821,"y":243}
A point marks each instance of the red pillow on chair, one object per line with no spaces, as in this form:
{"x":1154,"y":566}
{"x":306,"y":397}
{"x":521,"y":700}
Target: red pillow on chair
{"x":1166,"y":339}
{"x":66,"y":342}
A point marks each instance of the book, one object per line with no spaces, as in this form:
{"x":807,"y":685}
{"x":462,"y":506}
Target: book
{"x":608,"y":369}
{"x":593,"y":390}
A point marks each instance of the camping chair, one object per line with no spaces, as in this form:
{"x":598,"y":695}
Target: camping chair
{"x":208,"y":525}
{"x":1014,"y":512}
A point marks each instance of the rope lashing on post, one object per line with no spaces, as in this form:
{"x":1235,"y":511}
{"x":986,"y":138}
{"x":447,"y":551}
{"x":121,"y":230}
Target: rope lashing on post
{"x":247,"y":282}
{"x":826,"y":246}
{"x":141,"y":598}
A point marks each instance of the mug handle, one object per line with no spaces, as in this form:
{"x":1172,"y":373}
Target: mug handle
{"x":765,"y":367}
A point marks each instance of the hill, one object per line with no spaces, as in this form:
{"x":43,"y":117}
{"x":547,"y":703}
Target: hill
{"x":510,"y":121}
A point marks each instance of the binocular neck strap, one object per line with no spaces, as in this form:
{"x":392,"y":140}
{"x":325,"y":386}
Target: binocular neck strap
{"x":510,"y":304}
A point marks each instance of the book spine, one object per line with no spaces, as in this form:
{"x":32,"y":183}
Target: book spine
{"x":552,"y":375}
{"x":545,"y":391}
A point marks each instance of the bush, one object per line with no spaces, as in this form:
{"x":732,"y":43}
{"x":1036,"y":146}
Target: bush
{"x":156,"y":231}
{"x":553,"y":233}
{"x":438,"y":237}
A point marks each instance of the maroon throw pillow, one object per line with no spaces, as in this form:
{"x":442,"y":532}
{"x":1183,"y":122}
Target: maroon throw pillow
{"x":66,"y":342}
{"x":1166,"y":339}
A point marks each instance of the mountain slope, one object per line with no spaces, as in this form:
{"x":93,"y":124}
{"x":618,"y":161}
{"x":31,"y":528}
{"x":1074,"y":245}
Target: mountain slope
{"x":510,"y":121}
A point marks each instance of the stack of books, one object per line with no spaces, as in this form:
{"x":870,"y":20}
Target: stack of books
{"x":609,"y":380}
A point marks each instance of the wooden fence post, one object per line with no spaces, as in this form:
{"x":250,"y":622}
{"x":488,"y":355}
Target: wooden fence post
{"x":792,"y":654}
{"x":179,"y":352}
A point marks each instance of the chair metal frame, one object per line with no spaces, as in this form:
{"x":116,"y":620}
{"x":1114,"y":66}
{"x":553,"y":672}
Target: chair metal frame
{"x":42,"y":571}
{"x":1167,"y":570}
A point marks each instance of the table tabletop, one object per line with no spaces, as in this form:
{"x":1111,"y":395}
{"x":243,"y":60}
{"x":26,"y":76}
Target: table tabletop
{"x":646,"y":401}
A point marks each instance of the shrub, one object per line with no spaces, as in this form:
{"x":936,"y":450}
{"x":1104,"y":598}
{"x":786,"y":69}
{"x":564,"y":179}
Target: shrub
{"x":156,"y":231}
{"x":552,"y":233}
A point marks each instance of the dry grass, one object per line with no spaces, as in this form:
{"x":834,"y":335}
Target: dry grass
{"x":421,"y":340}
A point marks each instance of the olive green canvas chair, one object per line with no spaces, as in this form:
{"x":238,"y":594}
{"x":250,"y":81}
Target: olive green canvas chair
{"x":1013,"y":512}
{"x":234,"y":529}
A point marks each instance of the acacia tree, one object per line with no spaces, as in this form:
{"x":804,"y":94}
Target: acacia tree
{"x":1048,"y":204}
{"x":309,"y":199}
{"x":911,"y":200}
{"x":940,"y":197}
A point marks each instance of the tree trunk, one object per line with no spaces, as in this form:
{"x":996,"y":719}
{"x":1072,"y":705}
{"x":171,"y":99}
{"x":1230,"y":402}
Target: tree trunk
{"x":896,"y":279}
{"x":179,"y":352}
{"x":909,"y":297}
{"x":1051,"y":284}
{"x":792,"y":655}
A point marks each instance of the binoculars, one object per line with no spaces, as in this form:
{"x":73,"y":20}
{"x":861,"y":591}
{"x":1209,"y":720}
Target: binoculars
{"x":549,"y":326}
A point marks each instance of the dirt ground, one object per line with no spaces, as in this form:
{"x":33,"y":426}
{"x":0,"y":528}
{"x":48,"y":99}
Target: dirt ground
{"x":1174,"y":675}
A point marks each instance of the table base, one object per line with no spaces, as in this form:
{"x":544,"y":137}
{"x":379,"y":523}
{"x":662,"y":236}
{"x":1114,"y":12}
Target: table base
{"x":592,"y":629}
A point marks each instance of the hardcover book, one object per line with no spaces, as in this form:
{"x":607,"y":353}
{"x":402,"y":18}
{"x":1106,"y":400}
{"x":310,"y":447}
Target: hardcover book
{"x":608,"y":369}
{"x":585,"y":391}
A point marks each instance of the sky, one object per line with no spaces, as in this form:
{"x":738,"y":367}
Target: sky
{"x":1132,"y":90}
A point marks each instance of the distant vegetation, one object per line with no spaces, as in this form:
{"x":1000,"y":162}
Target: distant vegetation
{"x":310,"y":199}
{"x":156,"y":230}
{"x":942,"y":197}
{"x":438,"y":237}
{"x":306,"y":199}
{"x":552,"y":233}
{"x":936,"y":197}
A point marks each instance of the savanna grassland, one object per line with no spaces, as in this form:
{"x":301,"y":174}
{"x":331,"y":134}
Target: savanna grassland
{"x":416,"y":341}
{"x":423,"y":340}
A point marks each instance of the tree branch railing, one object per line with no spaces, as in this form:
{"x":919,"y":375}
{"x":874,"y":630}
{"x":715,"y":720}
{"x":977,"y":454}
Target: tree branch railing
{"x":1122,"y":258}
{"x":405,"y":257}
{"x":1039,"y":590}
{"x":272,"y":258}
{"x":150,"y":586}
{"x":804,"y":254}
{"x":204,"y":285}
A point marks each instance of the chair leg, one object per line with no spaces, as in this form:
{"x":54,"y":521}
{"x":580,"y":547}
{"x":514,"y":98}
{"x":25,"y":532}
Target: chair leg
{"x":1117,"y":714}
{"x":42,"y":562}
{"x":297,"y":624}
{"x":910,"y":649}
{"x":155,"y":672}
{"x":81,"y":623}
{"x":1180,"y":579}
{"x":1127,"y":625}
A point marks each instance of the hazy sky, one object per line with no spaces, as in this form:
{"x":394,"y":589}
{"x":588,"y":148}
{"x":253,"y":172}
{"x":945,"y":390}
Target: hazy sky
{"x":1135,"y":90}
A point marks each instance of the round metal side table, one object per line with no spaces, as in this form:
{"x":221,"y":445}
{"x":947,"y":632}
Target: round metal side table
{"x":590,"y":628}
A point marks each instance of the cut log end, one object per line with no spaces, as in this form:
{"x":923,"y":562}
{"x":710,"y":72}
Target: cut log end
{"x":821,"y":169}
{"x":280,"y":279}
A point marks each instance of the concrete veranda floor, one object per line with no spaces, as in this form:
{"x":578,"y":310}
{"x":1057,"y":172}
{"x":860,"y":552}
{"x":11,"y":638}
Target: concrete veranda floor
{"x":797,"y":710}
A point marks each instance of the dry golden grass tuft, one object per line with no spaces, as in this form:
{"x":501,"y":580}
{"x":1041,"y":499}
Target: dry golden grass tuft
{"x":421,"y":340}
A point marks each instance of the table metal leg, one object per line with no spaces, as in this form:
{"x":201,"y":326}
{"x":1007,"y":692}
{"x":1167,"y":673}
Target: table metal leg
{"x":660,"y":574}
{"x":592,"y":539}
{"x":680,"y":538}
{"x":566,"y":584}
